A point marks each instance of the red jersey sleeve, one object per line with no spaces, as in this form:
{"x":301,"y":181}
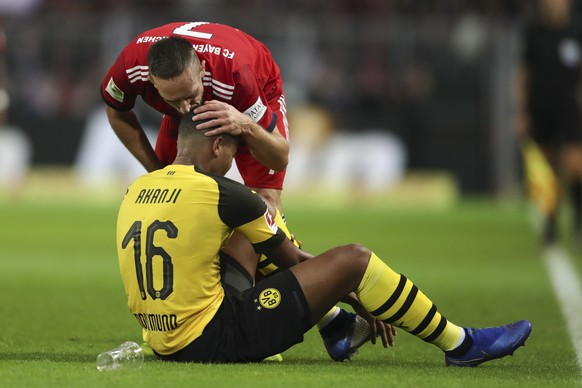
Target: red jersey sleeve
{"x":250,"y":99}
{"x":128,"y":76}
{"x":116,"y":89}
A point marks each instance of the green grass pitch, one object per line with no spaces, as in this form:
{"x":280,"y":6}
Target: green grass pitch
{"x":62,"y":302}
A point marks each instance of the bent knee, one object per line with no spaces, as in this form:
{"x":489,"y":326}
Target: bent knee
{"x":360,"y":250}
{"x":356,"y":252}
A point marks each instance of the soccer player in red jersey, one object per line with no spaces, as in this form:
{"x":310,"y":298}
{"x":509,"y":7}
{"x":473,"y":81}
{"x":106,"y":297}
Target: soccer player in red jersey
{"x":234,"y":81}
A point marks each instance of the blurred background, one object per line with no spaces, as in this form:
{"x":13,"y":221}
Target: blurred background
{"x":402,"y":85}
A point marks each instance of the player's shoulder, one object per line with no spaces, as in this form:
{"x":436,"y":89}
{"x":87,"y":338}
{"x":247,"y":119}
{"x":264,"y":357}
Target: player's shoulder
{"x":137,"y":49}
{"x":228,"y":187}
{"x":237,"y":204}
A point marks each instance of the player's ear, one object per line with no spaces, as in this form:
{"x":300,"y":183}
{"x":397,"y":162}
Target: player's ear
{"x":216,"y":146}
{"x":151,"y":79}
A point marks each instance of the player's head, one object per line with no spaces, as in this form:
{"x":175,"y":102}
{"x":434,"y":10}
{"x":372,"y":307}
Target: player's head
{"x":176,"y":72}
{"x":212,"y":154}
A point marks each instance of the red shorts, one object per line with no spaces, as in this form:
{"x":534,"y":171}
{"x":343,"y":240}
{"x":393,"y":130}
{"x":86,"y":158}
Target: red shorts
{"x":254,"y":174}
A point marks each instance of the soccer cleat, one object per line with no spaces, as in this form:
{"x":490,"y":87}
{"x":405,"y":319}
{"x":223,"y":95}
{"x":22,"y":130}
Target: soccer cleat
{"x":491,"y":343}
{"x":344,"y":335}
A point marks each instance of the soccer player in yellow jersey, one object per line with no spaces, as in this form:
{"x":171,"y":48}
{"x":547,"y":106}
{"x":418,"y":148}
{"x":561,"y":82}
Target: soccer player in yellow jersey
{"x":171,"y":226}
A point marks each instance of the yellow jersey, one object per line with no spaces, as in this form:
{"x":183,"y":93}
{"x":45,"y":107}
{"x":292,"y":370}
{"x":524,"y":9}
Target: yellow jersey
{"x":171,"y":226}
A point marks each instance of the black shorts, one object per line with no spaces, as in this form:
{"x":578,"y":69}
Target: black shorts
{"x":554,"y":125}
{"x":250,"y":326}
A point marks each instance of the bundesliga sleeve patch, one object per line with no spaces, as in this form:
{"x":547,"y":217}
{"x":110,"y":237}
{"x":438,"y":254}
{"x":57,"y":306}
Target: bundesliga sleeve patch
{"x":256,"y":111}
{"x":114,"y":91}
{"x":271,"y":222}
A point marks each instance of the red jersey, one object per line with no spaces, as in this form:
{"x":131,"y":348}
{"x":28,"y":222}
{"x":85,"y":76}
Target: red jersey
{"x":239,"y":71}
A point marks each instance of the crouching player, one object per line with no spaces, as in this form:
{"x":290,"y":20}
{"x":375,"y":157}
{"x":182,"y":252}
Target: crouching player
{"x":168,"y":247}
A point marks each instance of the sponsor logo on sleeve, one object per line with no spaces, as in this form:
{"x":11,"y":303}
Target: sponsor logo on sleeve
{"x":114,"y":91}
{"x":256,"y":111}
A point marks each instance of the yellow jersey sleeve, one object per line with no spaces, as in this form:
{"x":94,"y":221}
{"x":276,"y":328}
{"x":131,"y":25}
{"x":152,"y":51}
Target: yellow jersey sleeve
{"x":245,"y":211}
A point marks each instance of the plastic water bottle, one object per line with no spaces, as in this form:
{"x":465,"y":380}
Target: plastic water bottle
{"x":128,"y":355}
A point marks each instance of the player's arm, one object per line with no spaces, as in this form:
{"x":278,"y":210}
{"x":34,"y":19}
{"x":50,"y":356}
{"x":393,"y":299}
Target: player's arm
{"x":269,"y":148}
{"x":286,"y":254}
{"x":129,"y":130}
{"x":268,"y":238}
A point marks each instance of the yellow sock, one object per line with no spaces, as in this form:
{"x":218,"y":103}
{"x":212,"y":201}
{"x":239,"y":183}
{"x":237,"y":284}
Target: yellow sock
{"x":393,"y":298}
{"x":328,"y":317}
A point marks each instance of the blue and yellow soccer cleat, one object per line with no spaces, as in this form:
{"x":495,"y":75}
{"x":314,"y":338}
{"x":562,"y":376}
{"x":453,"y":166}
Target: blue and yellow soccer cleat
{"x":491,"y":343}
{"x":344,"y":335}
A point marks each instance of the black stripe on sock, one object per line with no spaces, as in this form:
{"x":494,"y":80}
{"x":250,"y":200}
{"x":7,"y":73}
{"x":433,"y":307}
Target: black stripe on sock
{"x":425,"y":322}
{"x":438,"y":331}
{"x":463,"y":348}
{"x":405,"y":307}
{"x":393,"y":298}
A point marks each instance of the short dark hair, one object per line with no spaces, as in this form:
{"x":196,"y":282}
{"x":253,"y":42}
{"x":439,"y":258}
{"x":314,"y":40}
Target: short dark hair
{"x":187,"y":128}
{"x":169,"y":57}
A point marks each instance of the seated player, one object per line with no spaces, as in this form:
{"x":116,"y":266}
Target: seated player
{"x":171,"y":226}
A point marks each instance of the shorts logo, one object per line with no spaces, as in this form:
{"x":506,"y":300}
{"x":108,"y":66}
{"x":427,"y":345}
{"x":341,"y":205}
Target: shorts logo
{"x":270,"y":298}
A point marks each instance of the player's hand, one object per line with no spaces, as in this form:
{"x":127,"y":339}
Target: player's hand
{"x":223,"y":118}
{"x":384,"y":330}
{"x":378,"y":328}
{"x":297,"y":243}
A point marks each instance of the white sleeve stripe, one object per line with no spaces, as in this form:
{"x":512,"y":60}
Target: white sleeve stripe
{"x":145,"y":79}
{"x":218,"y":83}
{"x":136,"y":68}
{"x":283,"y":107}
{"x":138,"y":74}
{"x":217,"y":93}
{"x":222,"y":84}
{"x":221,"y":95}
{"x":219,"y":90}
